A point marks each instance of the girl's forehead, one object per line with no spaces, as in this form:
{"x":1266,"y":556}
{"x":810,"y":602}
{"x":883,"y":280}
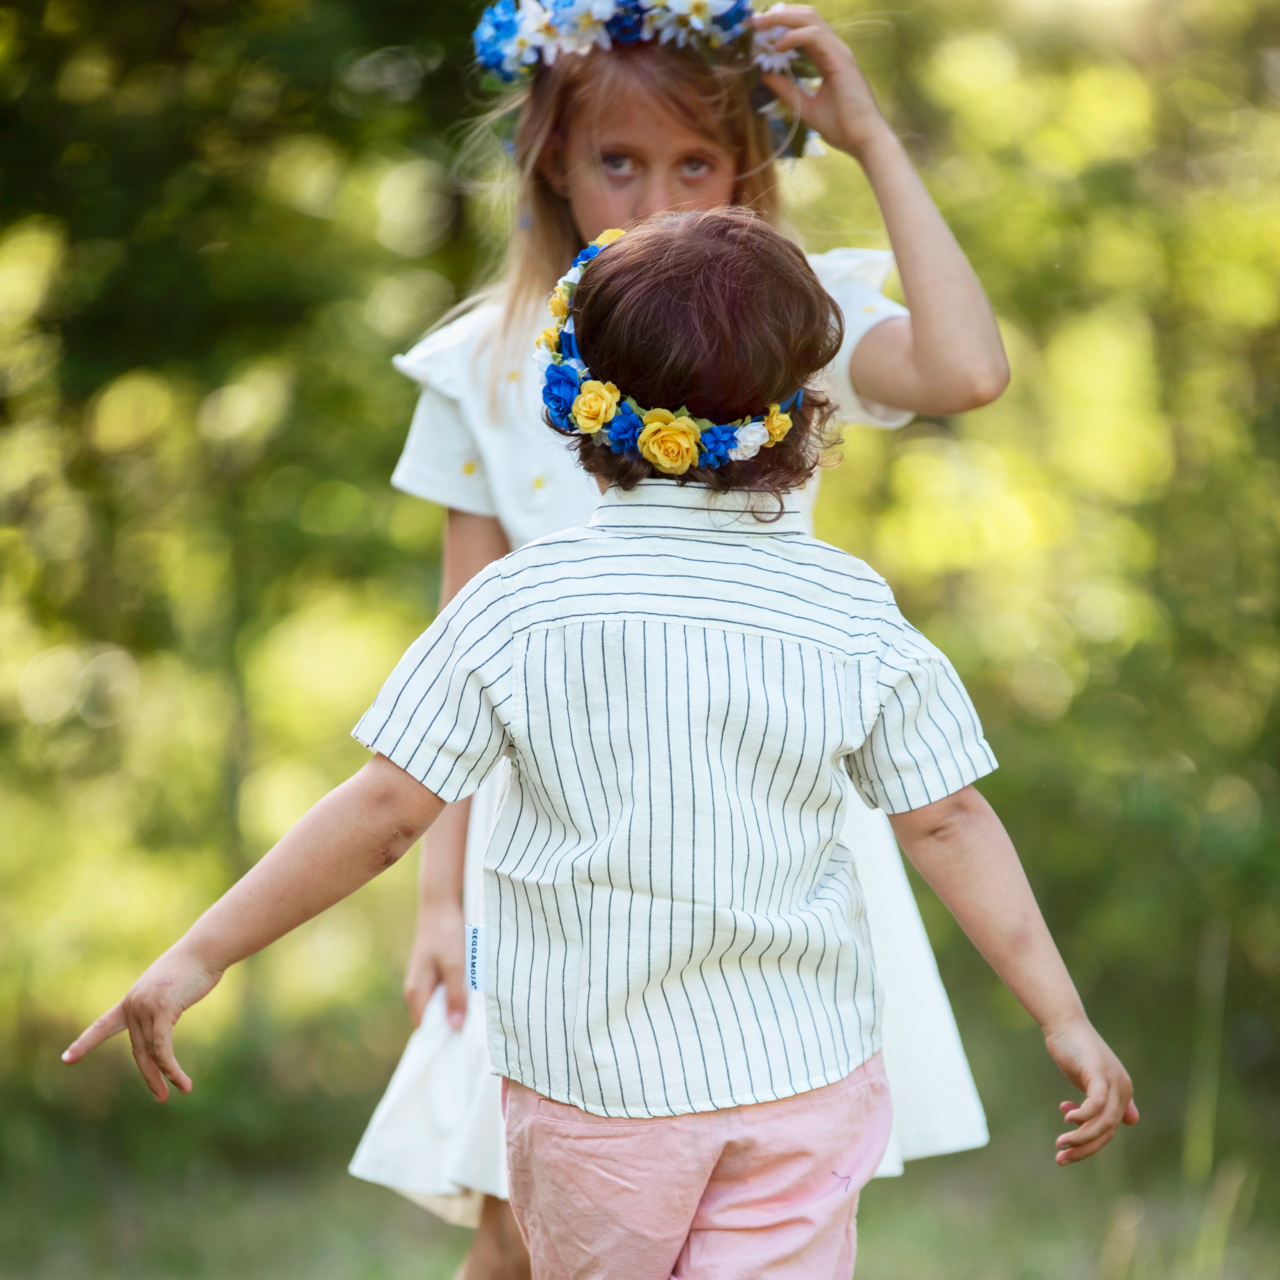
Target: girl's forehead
{"x":642,"y":122}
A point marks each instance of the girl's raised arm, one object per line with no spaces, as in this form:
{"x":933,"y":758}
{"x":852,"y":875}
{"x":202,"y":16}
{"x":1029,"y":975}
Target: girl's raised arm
{"x":357,"y":831}
{"x":948,"y":357}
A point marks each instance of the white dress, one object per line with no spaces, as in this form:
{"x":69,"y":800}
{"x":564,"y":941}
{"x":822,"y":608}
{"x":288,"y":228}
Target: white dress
{"x":478,"y":444}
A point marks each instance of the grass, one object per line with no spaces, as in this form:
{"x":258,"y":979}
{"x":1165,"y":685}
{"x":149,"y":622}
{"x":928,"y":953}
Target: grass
{"x":992,"y":1215}
{"x":213,"y":1225}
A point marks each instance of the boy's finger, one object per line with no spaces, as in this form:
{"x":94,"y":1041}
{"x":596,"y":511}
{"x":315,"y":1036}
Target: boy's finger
{"x":146,"y":1064}
{"x":1130,"y":1113}
{"x":109,"y":1024}
{"x":1108,"y":1122}
{"x":1092,"y":1105}
{"x":1073,"y":1155}
{"x":162,"y":1054}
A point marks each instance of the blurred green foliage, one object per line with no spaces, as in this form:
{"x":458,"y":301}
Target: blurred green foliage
{"x":217,"y":223}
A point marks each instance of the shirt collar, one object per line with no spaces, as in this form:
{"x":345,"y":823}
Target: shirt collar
{"x":694,"y":508}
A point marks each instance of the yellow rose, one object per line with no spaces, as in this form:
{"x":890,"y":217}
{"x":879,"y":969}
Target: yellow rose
{"x":595,"y":405}
{"x":777,"y":424}
{"x":549,"y":338}
{"x":606,"y":238}
{"x":670,"y":443}
{"x":559,"y":304}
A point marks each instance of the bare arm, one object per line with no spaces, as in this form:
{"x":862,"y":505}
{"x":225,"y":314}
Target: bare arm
{"x":963,"y":851}
{"x":357,"y":831}
{"x":470,"y":543}
{"x":948,"y":357}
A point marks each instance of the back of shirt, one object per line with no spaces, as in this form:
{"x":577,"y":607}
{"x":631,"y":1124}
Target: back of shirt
{"x":684,"y":694}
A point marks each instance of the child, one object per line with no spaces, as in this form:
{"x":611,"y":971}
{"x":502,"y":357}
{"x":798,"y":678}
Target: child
{"x":604,"y":136}
{"x":680,"y":988}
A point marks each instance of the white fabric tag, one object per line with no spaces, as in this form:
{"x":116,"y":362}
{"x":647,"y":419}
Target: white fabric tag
{"x":475,"y":957}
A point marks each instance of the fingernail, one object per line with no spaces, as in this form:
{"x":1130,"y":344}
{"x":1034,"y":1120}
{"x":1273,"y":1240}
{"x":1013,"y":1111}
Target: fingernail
{"x":66,"y":1055}
{"x":455,"y":1021}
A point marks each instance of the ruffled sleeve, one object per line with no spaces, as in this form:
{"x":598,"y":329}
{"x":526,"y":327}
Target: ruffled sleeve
{"x":855,"y":278}
{"x":441,"y":461}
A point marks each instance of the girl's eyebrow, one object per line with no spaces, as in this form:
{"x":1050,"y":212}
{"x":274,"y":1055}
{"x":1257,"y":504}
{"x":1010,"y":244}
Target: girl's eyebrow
{"x":706,"y":150}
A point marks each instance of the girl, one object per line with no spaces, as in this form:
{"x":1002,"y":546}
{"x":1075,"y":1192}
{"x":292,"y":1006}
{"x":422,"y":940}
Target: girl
{"x":623,"y":111}
{"x":681,"y":996}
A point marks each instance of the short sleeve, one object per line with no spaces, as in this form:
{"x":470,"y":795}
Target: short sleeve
{"x":854,"y":278}
{"x":440,"y":462}
{"x":441,"y":716}
{"x":926,"y":742}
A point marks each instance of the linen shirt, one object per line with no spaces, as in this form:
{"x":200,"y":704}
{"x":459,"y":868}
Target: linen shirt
{"x":478,"y":443}
{"x":684,"y":694}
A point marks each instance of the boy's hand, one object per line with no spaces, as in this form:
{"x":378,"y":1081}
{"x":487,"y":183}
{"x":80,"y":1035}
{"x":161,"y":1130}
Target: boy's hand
{"x":843,"y":109}
{"x":1088,"y":1062}
{"x":438,"y":958}
{"x":356,"y":832}
{"x":156,"y":1001}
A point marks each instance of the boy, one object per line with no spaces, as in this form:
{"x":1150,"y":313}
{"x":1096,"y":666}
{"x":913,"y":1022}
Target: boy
{"x":680,"y":988}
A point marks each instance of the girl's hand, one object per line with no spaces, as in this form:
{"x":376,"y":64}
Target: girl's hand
{"x":154,"y":1004}
{"x":843,"y":109}
{"x":1087,"y":1061}
{"x":438,"y":957}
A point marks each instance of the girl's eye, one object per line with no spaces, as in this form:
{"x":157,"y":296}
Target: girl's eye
{"x":617,"y":165}
{"x":696,"y":167}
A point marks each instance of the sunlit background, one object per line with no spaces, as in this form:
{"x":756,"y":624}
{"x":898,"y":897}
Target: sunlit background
{"x":218,"y":222}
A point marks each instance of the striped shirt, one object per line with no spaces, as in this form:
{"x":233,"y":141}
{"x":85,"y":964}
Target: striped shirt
{"x":685,"y":695}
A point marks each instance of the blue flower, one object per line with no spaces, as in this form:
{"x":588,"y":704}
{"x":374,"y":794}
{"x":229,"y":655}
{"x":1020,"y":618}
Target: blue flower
{"x":733,"y":21}
{"x":493,"y":35}
{"x":624,"y":428}
{"x":585,"y":256}
{"x":569,"y":345}
{"x":627,"y":24}
{"x":559,"y":392}
{"x":714,"y":445}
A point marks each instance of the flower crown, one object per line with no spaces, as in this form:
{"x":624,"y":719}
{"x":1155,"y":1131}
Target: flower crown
{"x":512,"y":39}
{"x":672,"y":440}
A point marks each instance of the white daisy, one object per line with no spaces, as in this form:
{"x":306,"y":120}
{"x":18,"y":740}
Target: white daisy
{"x":765,"y":54}
{"x":537,"y":36}
{"x":699,"y":13}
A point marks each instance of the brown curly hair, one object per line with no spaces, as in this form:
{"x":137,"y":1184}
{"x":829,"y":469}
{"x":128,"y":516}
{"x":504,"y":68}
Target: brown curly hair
{"x":717,"y":312}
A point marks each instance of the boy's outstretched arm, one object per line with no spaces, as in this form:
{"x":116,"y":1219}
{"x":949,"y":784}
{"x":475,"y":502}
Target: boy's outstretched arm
{"x":963,"y":851}
{"x":358,"y":830}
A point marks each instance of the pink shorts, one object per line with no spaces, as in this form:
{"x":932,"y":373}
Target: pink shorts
{"x":764,"y":1190}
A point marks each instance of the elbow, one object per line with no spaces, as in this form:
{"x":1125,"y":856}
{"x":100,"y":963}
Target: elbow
{"x":943,"y":820}
{"x":974,"y":387}
{"x":395,"y":830}
{"x":396,"y":809}
{"x":988,"y":384}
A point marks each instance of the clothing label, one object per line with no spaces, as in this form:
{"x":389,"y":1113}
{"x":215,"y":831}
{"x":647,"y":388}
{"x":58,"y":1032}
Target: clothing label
{"x":475,"y":957}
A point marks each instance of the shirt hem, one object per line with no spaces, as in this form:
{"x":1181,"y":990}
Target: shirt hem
{"x":448,"y":793}
{"x":568,"y":1099}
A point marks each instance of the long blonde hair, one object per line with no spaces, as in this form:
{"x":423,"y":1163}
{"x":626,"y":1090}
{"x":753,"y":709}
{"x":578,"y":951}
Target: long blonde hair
{"x":712,"y":98}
